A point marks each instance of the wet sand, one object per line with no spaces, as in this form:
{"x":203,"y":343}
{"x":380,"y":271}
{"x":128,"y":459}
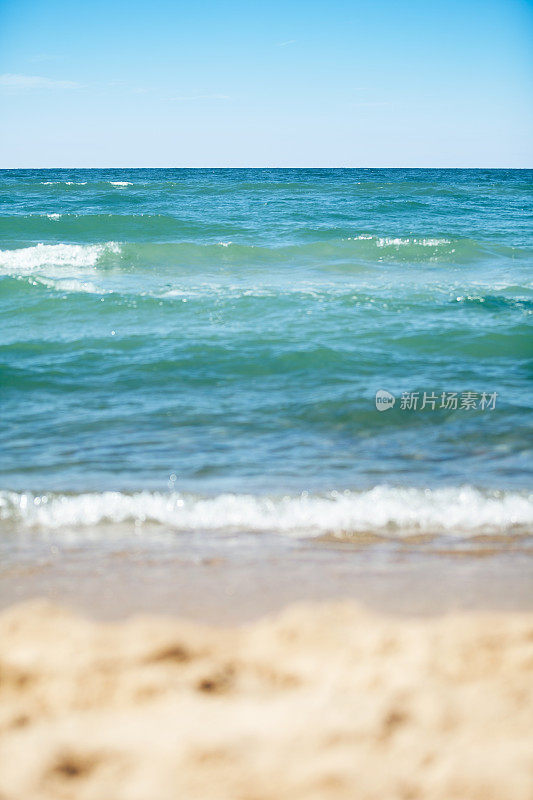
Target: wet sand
{"x":213,"y":581}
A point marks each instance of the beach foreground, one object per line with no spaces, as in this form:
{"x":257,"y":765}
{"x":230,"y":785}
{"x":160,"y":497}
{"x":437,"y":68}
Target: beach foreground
{"x":321,"y":701}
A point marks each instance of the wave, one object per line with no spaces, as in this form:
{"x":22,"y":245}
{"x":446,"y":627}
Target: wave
{"x":514,"y":301}
{"x":361,"y":249}
{"x":26,"y":260}
{"x":85,"y":183}
{"x":383,"y":510}
{"x":397,"y":241}
{"x":63,"y":183}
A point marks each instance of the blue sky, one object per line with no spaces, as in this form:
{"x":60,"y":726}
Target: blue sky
{"x":361,"y":83}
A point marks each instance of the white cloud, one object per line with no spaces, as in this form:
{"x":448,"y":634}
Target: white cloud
{"x":23,"y":82}
{"x":285,"y":44}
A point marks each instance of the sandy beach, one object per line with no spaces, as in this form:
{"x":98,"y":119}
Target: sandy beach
{"x":303,"y":670}
{"x":320,"y":701}
{"x":266,"y":443}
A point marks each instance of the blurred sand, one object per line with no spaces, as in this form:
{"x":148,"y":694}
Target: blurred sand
{"x":322,"y":701}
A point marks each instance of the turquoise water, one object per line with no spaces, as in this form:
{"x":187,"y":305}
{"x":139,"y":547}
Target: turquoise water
{"x":202,"y":348}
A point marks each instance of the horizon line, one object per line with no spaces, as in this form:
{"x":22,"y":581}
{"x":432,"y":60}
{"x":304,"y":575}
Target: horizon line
{"x":5,"y":169}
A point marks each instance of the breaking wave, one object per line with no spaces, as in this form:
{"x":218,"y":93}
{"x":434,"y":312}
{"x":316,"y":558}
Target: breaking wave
{"x":361,"y":249}
{"x":26,"y":260}
{"x":383,"y":510}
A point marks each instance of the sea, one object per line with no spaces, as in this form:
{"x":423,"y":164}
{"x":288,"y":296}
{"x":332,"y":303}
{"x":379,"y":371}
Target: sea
{"x":306,"y":353}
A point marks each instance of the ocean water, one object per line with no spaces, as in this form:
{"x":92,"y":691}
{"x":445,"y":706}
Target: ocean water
{"x":200,"y":350}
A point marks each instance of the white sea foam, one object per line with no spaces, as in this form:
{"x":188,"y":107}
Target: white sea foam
{"x":27,"y":260}
{"x":383,"y":510}
{"x":121,"y":183}
{"x":391,"y":241}
{"x":54,"y":216}
{"x":72,"y":285}
{"x":388,"y":241}
{"x":65,"y":183}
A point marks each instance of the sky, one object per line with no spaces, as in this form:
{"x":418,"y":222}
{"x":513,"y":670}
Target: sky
{"x":281,"y":83}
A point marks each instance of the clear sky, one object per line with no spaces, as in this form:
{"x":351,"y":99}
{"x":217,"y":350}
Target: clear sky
{"x":269,"y":83}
